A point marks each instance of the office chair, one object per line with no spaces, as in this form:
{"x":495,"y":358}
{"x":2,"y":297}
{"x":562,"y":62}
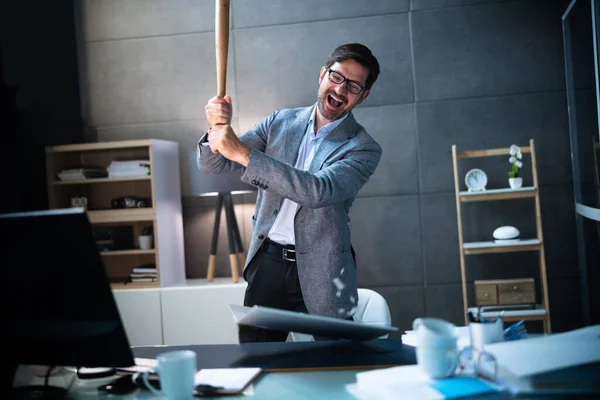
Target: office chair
{"x":372,"y":309}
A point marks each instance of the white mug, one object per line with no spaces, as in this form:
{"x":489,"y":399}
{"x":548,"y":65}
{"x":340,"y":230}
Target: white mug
{"x":176,"y":371}
{"x":435,"y":333}
{"x":437,"y":362}
{"x":483,"y":333}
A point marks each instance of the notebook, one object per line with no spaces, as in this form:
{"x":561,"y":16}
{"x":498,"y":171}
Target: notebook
{"x":561,"y":362}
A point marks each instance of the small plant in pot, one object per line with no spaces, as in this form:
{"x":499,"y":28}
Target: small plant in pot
{"x":514,"y":179}
{"x":145,"y":238}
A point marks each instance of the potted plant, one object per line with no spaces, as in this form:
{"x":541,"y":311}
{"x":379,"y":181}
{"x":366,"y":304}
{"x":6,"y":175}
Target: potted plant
{"x":145,"y":238}
{"x":514,"y":179}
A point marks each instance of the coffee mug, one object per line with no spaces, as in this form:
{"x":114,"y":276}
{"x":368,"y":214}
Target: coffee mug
{"x":435,"y":333}
{"x":437,"y":362}
{"x":483,"y":333}
{"x":176,"y":371}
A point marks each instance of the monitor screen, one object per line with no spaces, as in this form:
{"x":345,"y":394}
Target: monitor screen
{"x":56,"y":303}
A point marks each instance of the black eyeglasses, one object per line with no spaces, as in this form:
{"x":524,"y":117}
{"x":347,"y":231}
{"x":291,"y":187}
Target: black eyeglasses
{"x":337,"y":78}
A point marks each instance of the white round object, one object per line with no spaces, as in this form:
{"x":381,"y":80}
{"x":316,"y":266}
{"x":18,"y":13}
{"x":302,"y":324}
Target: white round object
{"x":506,"y":233}
{"x":476,"y":180}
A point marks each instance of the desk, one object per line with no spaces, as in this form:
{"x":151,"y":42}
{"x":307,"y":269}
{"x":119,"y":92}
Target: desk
{"x":295,"y":356}
{"x":319,"y":370}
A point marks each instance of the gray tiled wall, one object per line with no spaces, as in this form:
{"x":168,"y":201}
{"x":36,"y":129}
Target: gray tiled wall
{"x":475,"y":73}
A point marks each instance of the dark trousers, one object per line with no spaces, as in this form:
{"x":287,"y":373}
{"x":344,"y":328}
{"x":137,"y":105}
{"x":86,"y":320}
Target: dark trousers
{"x":272,"y":282}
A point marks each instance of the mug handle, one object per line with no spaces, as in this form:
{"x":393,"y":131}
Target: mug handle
{"x":416,"y":323}
{"x":453,"y":360}
{"x":149,"y":386}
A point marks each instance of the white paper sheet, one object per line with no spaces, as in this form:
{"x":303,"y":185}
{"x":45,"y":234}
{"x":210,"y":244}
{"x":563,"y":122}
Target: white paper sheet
{"x":232,"y":380}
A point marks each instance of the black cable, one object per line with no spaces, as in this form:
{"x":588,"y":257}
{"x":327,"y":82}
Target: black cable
{"x":48,"y":372}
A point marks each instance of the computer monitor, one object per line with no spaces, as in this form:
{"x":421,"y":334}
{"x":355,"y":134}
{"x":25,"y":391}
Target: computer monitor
{"x":56,"y":304}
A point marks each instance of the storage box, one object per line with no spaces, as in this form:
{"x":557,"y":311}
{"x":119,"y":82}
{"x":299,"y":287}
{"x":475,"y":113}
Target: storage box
{"x":504,"y":292}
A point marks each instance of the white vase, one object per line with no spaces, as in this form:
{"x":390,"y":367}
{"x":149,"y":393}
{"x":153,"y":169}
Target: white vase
{"x":515,"y":183}
{"x":145,"y":241}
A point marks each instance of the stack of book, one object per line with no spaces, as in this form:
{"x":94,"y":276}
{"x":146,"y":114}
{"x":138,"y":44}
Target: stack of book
{"x":73,"y":174}
{"x":144,"y":274}
{"x":128,"y":169}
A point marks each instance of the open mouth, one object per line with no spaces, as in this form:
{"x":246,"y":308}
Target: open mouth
{"x":335,"y":102}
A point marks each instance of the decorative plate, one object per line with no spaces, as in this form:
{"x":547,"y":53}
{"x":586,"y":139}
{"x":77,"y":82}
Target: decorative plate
{"x":476,"y":180}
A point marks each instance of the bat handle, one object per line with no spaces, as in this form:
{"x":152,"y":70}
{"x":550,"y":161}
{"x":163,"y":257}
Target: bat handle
{"x":222,"y":43}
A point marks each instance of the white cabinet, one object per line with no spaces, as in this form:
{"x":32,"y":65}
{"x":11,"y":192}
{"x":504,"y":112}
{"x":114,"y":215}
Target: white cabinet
{"x":195,"y":312}
{"x":140,"y":312}
{"x":198,"y":312}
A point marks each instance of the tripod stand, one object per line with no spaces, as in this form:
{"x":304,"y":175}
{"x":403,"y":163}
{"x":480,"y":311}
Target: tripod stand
{"x":236,"y":248}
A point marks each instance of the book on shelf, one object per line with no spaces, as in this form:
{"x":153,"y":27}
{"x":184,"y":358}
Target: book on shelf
{"x":128,"y":168}
{"x":142,"y":275}
{"x":81,"y":173}
{"x":132,"y":173}
{"x":144,"y":270}
{"x":148,"y":279}
{"x":128,"y":163}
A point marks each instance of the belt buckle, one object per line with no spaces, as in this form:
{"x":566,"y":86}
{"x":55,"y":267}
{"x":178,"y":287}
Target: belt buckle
{"x":284,"y":253}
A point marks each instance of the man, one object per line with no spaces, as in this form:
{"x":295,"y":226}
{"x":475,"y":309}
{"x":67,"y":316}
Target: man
{"x":309,"y":164}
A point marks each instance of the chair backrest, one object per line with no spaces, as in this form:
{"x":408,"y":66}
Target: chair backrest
{"x":371,"y":309}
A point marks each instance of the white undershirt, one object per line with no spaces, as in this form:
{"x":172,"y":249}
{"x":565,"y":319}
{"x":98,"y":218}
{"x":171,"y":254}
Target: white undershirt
{"x":282,"y":230}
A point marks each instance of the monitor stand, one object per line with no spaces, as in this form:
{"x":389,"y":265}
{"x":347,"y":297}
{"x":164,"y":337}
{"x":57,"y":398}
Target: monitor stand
{"x":38,"y":392}
{"x":41,"y":392}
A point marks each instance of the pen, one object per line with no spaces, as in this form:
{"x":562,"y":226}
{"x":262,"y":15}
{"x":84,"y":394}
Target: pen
{"x":501,"y":315}
{"x":472,"y":318}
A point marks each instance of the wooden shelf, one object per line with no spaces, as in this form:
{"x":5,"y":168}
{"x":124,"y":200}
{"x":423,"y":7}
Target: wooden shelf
{"x":162,"y":188}
{"x":498,"y":194}
{"x":124,"y":215}
{"x":124,"y":144}
{"x":102,"y":180}
{"x":133,"y":252}
{"x":491,"y":152}
{"x":539,"y":313}
{"x":494,"y":247}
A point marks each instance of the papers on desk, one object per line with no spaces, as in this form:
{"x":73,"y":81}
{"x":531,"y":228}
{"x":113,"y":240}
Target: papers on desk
{"x":410,"y":382}
{"x":229,"y":380}
{"x":527,"y":366}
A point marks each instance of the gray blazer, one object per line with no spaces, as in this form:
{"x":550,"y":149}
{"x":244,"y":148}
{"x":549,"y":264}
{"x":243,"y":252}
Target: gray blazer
{"x":343,"y":163}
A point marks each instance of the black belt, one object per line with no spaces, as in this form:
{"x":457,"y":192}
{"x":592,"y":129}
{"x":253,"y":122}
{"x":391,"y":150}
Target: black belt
{"x":285,"y":252}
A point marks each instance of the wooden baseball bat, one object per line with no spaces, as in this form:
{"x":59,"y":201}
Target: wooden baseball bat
{"x":222,"y":43}
{"x":222,"y":48}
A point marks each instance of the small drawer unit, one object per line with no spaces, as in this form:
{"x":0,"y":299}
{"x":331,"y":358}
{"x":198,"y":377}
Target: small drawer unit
{"x":504,"y":292}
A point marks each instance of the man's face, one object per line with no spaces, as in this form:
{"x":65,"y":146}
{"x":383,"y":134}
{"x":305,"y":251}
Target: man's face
{"x":336,"y":100}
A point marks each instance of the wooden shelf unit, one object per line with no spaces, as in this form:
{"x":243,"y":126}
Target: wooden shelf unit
{"x":162,"y":187}
{"x":542,"y":311}
{"x":498,"y":194}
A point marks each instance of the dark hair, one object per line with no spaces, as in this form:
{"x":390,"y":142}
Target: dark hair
{"x":359,"y":53}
